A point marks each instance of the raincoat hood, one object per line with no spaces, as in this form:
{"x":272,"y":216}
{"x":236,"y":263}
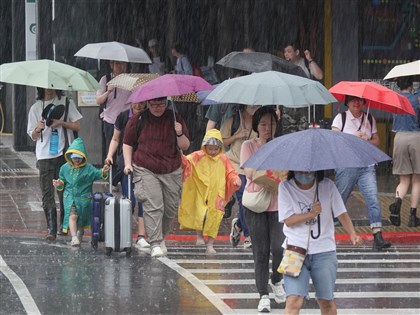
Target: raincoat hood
{"x":215,"y":134}
{"x":78,"y":147}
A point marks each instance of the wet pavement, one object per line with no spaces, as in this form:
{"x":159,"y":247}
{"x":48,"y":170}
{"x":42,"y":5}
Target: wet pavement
{"x":52,"y":278}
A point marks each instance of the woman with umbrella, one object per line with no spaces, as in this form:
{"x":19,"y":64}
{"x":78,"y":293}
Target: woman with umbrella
{"x":49,"y":135}
{"x":307,"y":199}
{"x":406,"y":155}
{"x":264,"y":228}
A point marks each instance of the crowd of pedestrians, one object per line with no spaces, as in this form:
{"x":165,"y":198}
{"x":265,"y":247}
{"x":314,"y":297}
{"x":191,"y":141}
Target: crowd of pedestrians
{"x":149,"y":139}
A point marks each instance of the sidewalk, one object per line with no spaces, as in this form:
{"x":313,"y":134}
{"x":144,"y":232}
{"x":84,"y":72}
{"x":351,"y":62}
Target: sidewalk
{"x":21,"y":210}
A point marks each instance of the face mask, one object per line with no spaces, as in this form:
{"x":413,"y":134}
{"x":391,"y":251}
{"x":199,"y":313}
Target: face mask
{"x":305,"y":178}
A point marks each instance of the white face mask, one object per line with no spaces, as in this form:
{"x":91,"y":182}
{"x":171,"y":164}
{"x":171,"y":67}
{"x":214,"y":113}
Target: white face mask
{"x":305,"y":178}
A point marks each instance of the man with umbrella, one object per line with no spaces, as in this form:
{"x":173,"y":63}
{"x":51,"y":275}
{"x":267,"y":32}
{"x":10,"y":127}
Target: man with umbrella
{"x":355,"y":121}
{"x":48,"y":131}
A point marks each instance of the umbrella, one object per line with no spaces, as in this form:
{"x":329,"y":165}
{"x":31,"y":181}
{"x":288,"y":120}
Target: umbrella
{"x":114,"y":51}
{"x":259,"y":62}
{"x":271,"y":88}
{"x":48,"y":74}
{"x":313,"y":150}
{"x":407,"y":69}
{"x":376,"y":95}
{"x":131,"y":81}
{"x":169,"y":85}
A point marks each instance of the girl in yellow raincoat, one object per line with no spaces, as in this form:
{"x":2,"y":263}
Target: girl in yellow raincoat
{"x":209,"y":180}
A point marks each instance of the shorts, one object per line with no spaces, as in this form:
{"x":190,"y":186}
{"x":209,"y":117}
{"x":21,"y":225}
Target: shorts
{"x":406,"y":156}
{"x":73,"y":210}
{"x":322,"y":268}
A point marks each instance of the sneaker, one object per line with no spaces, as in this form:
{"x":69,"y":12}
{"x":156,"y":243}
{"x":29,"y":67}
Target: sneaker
{"x":80,"y":235}
{"x":75,"y":241}
{"x":278,"y":290}
{"x":235,"y":235}
{"x":163,"y":248}
{"x":200,"y":242}
{"x":210,"y":250}
{"x":142,"y":245}
{"x":247,"y":243}
{"x":264,"y":305}
{"x":156,"y":252}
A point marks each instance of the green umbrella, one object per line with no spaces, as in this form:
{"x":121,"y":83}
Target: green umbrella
{"x":47,"y":74}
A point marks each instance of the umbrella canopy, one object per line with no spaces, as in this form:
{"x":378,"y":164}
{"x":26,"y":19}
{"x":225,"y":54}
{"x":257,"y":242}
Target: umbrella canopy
{"x":169,"y":85}
{"x":313,"y":150}
{"x":47,"y":74}
{"x":114,"y":51}
{"x":259,"y":62}
{"x":131,"y":81}
{"x":376,"y":96}
{"x":271,"y":88}
{"x":407,"y":69}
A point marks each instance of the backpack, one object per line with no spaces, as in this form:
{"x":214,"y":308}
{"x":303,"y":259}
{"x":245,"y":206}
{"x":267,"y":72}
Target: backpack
{"x":343,"y":120}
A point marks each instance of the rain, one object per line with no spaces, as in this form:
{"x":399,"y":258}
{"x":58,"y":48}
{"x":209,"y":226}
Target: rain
{"x":349,"y":41}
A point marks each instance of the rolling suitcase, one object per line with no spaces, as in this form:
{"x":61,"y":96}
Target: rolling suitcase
{"x":98,"y":212}
{"x":118,"y":235}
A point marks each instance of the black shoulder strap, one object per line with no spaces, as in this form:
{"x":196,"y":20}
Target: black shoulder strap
{"x":343,"y":120}
{"x":75,"y":133}
{"x":139,"y":127}
{"x":370,"y":119}
{"x":236,"y":120}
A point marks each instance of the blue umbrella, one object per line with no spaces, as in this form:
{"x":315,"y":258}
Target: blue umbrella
{"x":202,"y":95}
{"x":314,"y":150}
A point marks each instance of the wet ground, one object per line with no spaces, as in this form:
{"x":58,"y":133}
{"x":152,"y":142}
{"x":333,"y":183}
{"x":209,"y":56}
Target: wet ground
{"x":37,"y":277}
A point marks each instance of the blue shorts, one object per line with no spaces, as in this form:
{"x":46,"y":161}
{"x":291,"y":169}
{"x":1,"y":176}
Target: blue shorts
{"x":322,"y":268}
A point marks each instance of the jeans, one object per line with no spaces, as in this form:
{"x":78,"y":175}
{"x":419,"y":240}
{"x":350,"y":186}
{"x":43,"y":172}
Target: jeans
{"x":241,"y":215}
{"x":365,"y":178}
{"x":266,"y":236}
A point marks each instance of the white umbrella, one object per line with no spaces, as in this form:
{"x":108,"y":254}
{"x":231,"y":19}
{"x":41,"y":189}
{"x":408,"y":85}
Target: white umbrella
{"x":407,"y":69}
{"x":114,"y":51}
{"x":271,"y":88}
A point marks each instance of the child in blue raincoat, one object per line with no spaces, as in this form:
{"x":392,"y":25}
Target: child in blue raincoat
{"x":76,"y":177}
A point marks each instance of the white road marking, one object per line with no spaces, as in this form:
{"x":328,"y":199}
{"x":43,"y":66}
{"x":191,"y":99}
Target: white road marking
{"x":340,"y":295}
{"x":340,"y":261}
{"x":338,"y":281}
{"x":203,"y":289}
{"x":340,"y":270}
{"x":358,"y":311}
{"x":20,"y":288}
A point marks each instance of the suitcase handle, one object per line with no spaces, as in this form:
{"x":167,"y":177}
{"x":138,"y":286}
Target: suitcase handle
{"x":110,"y":180}
{"x":129,"y":179}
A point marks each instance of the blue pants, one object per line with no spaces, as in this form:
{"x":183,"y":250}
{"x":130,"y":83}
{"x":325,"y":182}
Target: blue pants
{"x":241,"y":214}
{"x":365,"y":178}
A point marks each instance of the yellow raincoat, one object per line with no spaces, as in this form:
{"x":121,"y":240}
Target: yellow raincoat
{"x":208,"y":184}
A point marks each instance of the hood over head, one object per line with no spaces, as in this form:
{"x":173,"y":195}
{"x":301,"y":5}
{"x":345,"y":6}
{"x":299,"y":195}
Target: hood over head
{"x":76,"y":147}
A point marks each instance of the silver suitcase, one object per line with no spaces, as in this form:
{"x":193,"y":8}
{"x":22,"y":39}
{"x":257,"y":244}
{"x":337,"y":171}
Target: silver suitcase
{"x":118,"y":235}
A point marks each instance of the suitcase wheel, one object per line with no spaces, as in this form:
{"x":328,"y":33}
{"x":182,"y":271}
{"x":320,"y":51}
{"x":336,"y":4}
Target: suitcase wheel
{"x":94,"y":243}
{"x":108,"y":251}
{"x":128,"y":253}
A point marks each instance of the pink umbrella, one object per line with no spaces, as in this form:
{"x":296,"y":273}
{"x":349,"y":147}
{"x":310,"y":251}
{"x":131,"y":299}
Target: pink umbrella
{"x":169,"y":85}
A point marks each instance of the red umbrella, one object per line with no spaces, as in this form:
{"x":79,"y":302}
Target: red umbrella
{"x":376,"y":96}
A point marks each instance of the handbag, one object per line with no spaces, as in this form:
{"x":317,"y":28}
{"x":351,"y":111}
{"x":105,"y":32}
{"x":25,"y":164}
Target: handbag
{"x":257,"y":201}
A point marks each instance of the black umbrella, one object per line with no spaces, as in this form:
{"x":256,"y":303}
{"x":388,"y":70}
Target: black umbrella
{"x":259,"y":62}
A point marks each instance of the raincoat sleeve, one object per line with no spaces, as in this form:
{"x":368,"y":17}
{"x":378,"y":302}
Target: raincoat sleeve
{"x":61,"y":178}
{"x":231,"y":177}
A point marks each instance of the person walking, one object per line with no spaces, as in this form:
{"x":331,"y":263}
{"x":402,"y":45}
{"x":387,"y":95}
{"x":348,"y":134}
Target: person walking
{"x":354,"y":121}
{"x":183,"y":64}
{"x":49,"y":136}
{"x":76,"y":178}
{"x":157,"y":65}
{"x":159,"y":135}
{"x":264,"y":228}
{"x":208,"y":183}
{"x":235,"y":131}
{"x":116,"y":146}
{"x":406,"y":156}
{"x":304,"y":200}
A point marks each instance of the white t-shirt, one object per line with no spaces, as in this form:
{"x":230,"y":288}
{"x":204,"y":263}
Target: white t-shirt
{"x":293,"y":200}
{"x":352,"y":124}
{"x":35,"y":114}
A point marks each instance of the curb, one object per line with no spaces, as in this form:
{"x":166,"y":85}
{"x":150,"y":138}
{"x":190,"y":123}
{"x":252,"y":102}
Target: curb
{"x":393,"y":237}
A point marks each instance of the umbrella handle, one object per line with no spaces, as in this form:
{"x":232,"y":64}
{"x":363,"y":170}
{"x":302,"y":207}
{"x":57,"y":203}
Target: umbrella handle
{"x":319,"y":229}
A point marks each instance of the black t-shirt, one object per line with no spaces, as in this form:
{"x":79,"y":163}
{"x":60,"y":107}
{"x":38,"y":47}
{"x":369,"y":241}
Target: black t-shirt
{"x":120,"y":124}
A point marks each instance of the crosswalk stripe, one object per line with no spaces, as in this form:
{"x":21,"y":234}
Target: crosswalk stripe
{"x":338,"y":281}
{"x":358,"y":270}
{"x":250,"y":261}
{"x":341,"y":295}
{"x":353,"y":311}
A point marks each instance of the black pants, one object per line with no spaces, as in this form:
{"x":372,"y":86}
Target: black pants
{"x":266,"y":236}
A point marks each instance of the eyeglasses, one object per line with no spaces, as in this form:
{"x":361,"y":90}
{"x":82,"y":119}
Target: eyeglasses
{"x":157,"y":104}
